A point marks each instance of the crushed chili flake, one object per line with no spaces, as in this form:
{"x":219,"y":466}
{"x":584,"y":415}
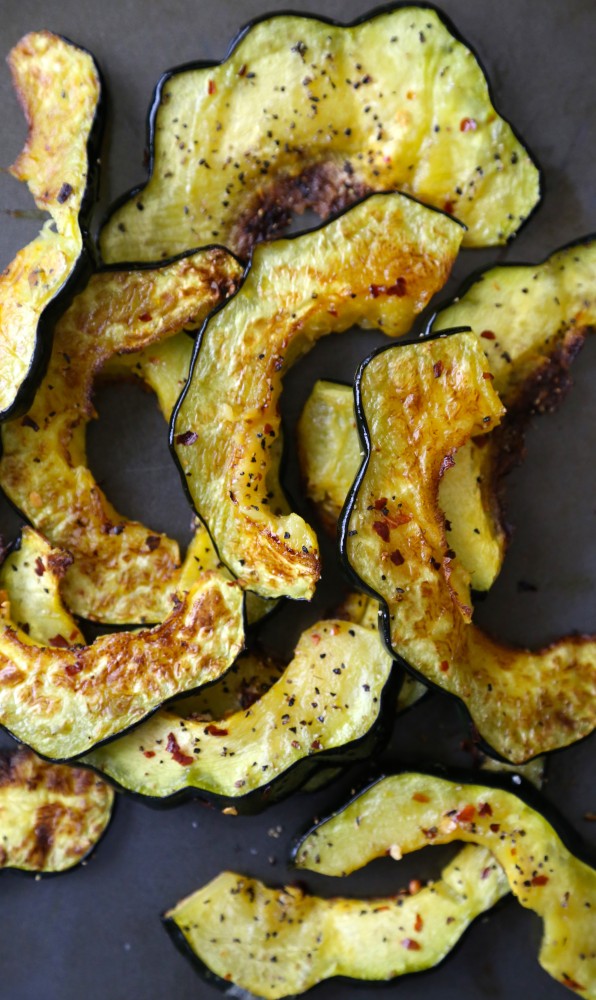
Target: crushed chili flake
{"x":540,"y":880}
{"x":485,"y":872}
{"x":418,"y":923}
{"x":444,"y":666}
{"x":488,"y":335}
{"x":213,"y":730}
{"x":145,"y":317}
{"x":315,"y":638}
{"x":487,"y":376}
{"x":72,"y":669}
{"x":495,"y":827}
{"x":485,"y":809}
{"x":39,"y":567}
{"x":571,"y":983}
{"x":382,"y":530}
{"x":396,"y":558}
{"x":414,"y":886}
{"x":410,"y":944}
{"x":466,"y":815}
{"x":188,"y":437}
{"x":399,"y":289}
{"x":449,"y":207}
{"x":28,"y":421}
{"x":468,"y":125}
{"x":149,"y":753}
{"x":420,"y":797}
{"x":152,"y":542}
{"x":438,"y":368}
{"x":173,"y":747}
{"x":211,"y":88}
{"x":380,"y":503}
{"x":59,"y":642}
{"x":316,"y":745}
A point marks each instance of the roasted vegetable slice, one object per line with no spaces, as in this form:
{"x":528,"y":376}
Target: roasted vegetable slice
{"x":418,"y":404}
{"x":51,"y":815}
{"x":328,"y":702}
{"x":122,"y":571}
{"x":405,"y":812}
{"x":279,"y":942}
{"x":531,"y":321}
{"x":62,"y":702}
{"x":377,"y":265}
{"x":307,"y":114}
{"x":59,"y":88}
{"x":330,"y":456}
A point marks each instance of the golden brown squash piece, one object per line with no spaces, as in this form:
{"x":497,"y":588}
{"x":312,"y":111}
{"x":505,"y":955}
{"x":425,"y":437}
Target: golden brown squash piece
{"x":308,"y":114}
{"x":419,"y":404}
{"x":402,"y":813}
{"x":376,"y":265}
{"x":122,"y":571}
{"x":51,"y":815}
{"x":59,"y":88}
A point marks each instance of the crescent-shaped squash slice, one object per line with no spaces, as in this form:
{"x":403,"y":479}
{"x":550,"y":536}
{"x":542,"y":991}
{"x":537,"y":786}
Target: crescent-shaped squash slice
{"x":328,"y":705}
{"x":404,"y":812}
{"x":121,"y":571}
{"x":51,"y":815}
{"x":307,"y":114}
{"x":59,"y":88}
{"x":418,"y":404}
{"x":275,"y":943}
{"x":376,"y":265}
{"x":330,"y":455}
{"x":531,"y":321}
{"x":64,"y":701}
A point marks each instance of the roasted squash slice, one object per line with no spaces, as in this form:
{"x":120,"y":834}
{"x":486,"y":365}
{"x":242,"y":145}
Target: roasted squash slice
{"x":531,"y":321}
{"x":122,"y":571}
{"x":59,"y":88}
{"x":418,"y":404}
{"x":328,"y":705}
{"x":377,"y":265}
{"x":307,"y":114}
{"x":405,"y":812}
{"x":51,"y":815}
{"x":275,"y":943}
{"x":64,"y":701}
{"x":330,"y":454}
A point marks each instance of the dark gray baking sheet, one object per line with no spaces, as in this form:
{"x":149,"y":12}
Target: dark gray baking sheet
{"x":95,"y":933}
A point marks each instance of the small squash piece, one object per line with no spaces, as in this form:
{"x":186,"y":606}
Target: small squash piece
{"x":51,"y":815}
{"x":418,"y":404}
{"x":304,"y":113}
{"x":59,"y":87}
{"x":402,"y":813}
{"x":122,"y":571}
{"x":276,"y":943}
{"x":64,"y":701}
{"x":376,"y":265}
{"x":327,"y":704}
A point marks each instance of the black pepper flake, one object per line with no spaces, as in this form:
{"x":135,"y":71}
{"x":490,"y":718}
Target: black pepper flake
{"x":64,"y":193}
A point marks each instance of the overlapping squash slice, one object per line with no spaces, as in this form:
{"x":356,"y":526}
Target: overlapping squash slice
{"x":418,"y":404}
{"x":531,"y":321}
{"x":306,"y":114}
{"x":405,"y":812}
{"x":330,"y":455}
{"x":328,"y":703}
{"x":376,"y":265}
{"x":122,"y":571}
{"x":59,"y":88}
{"x":51,"y":815}
{"x":276,"y":943}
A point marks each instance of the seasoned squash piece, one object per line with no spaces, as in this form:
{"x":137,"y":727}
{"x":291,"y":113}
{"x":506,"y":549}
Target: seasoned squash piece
{"x":307,"y":114}
{"x":402,"y":813}
{"x":59,"y":88}
{"x":122,"y":571}
{"x":376,"y":265}
{"x":418,"y":405}
{"x":51,"y":815}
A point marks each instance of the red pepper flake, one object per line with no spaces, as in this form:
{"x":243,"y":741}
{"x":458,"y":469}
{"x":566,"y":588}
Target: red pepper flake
{"x":213,"y":730}
{"x":59,"y":642}
{"x":418,"y":923}
{"x":571,"y":983}
{"x":396,"y":520}
{"x":332,"y":311}
{"x":152,"y":542}
{"x":485,"y":872}
{"x":431,"y":833}
{"x":444,"y":666}
{"x":399,"y":289}
{"x":396,"y":558}
{"x":449,"y":207}
{"x":410,"y":944}
{"x":487,"y":375}
{"x":145,"y":317}
{"x":380,"y":503}
{"x":414,"y":886}
{"x":420,"y":797}
{"x":173,"y":747}
{"x":149,"y":753}
{"x":382,"y":530}
{"x":295,"y":744}
{"x":72,"y":669}
{"x":485,"y":809}
{"x":540,"y":880}
{"x":242,"y":70}
{"x":316,"y":745}
{"x":488,"y":335}
{"x":466,"y":815}
{"x":495,"y":827}
{"x":438,"y":368}
{"x":211,"y":88}
{"x":468,"y":125}
{"x":267,"y":429}
{"x":188,"y":437}
{"x":315,"y":638}
{"x":39,"y":567}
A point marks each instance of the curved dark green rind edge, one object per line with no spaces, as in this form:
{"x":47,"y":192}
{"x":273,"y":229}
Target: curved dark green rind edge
{"x":369,"y":16}
{"x":84,"y":265}
{"x":222,"y":305}
{"x":294,"y":777}
{"x":351,"y":573}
